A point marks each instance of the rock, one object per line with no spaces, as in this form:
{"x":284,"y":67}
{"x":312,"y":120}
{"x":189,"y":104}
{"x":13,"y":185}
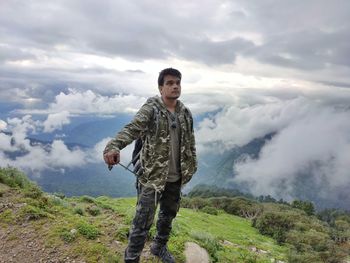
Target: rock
{"x":195,"y":254}
{"x":227,"y":243}
{"x":254,"y":249}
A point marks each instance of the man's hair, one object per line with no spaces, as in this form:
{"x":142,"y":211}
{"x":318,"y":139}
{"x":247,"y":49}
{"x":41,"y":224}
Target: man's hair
{"x":168,"y":71}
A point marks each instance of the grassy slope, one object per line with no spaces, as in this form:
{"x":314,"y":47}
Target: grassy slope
{"x":227,"y":238}
{"x":64,"y":233}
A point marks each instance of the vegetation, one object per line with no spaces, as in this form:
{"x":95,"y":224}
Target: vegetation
{"x":309,"y":239}
{"x":230,"y":228}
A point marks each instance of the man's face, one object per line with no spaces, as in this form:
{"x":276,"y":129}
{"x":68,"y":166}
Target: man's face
{"x":171,"y":88}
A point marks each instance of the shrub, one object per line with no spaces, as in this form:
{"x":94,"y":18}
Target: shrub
{"x":306,"y":206}
{"x":87,"y":199}
{"x":122,"y":233}
{"x":307,"y":257}
{"x":93,"y":210}
{"x":60,"y":195}
{"x":33,"y":191}
{"x":185,"y":202}
{"x":220,"y":202}
{"x":7,"y":216}
{"x":198,"y":203}
{"x":78,"y":210}
{"x":13,"y":177}
{"x":30,"y":212}
{"x":68,"y":236}
{"x":87,"y":230}
{"x":274,"y":224}
{"x":209,"y":210}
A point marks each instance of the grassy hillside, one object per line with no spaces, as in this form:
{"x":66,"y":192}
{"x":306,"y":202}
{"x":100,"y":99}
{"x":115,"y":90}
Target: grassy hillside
{"x":40,"y":227}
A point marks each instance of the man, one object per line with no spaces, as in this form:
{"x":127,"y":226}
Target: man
{"x":168,"y":161}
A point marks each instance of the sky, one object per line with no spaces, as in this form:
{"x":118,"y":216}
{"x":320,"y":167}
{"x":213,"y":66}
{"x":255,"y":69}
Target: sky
{"x":251,"y":67}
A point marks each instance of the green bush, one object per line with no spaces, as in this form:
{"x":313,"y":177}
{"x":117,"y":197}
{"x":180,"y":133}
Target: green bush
{"x":274,"y":224}
{"x":307,"y":257}
{"x":306,"y":206}
{"x":88,"y":230}
{"x":220,"y":202}
{"x":68,"y":236}
{"x":88,"y":199}
{"x":7,"y":216}
{"x":185,"y":202}
{"x":122,"y":233}
{"x":93,"y":210}
{"x":198,"y":203}
{"x":13,"y":177}
{"x":60,"y":195}
{"x":78,"y":210}
{"x":209,"y":210}
{"x":30,"y":212}
{"x":33,"y":191}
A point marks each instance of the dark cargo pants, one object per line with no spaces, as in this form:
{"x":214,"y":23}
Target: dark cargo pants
{"x":169,"y":201}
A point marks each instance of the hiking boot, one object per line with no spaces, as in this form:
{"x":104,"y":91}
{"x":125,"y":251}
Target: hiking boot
{"x":162,"y":252}
{"x":128,"y":259}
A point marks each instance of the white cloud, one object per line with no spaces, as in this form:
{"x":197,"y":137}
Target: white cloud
{"x":5,"y":142}
{"x":3,"y":125}
{"x":317,"y":146}
{"x":55,"y":121}
{"x":63,"y":157}
{"x":95,"y":154}
{"x":237,"y":125}
{"x":36,"y":157}
{"x":86,"y":102}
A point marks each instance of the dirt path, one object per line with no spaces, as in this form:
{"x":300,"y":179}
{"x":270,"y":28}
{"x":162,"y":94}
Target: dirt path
{"x":195,"y":254}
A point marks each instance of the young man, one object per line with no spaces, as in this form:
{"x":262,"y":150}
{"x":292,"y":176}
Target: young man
{"x":168,"y":161}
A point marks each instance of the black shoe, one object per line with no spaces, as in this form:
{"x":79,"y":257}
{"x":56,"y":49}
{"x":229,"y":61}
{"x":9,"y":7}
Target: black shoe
{"x":162,"y":252}
{"x":128,"y":259}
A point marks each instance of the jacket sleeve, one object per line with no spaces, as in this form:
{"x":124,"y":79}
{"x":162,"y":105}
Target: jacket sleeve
{"x":131,"y":131}
{"x":193,"y":143}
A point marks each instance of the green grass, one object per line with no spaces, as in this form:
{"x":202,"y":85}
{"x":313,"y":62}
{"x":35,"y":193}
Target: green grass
{"x":191,"y":225}
{"x":87,"y":228}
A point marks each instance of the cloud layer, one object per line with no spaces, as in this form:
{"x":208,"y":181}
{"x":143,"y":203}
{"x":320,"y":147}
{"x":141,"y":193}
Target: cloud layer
{"x":17,"y":150}
{"x":312,"y":145}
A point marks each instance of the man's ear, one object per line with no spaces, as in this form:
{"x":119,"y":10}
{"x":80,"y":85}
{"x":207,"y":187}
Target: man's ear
{"x":160,"y":89}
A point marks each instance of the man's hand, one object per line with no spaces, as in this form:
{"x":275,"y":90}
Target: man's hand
{"x":111,"y":158}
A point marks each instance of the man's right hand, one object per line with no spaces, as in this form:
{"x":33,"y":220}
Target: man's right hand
{"x":111,"y":158}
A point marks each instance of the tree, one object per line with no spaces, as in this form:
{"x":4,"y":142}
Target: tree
{"x":306,"y":206}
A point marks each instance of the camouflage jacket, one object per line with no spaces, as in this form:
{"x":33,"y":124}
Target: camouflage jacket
{"x":155,"y":135}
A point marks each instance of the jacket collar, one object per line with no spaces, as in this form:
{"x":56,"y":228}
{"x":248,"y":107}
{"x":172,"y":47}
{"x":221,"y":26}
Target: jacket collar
{"x":158,"y":100}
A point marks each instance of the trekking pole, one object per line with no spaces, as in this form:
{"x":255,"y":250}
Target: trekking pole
{"x":110,"y":167}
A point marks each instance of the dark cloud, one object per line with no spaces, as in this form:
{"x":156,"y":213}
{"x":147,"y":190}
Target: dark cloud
{"x":135,"y":31}
{"x":310,"y":38}
{"x":303,"y":35}
{"x":305,"y":49}
{"x":337,"y":84}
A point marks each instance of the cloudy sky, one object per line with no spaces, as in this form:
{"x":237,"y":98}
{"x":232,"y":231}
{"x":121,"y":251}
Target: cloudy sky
{"x":253,"y":67}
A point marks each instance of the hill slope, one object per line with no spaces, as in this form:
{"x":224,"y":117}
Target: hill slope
{"x":38,"y":227}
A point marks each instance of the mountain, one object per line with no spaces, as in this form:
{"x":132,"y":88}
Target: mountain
{"x":86,"y":130}
{"x":217,"y":168}
{"x":91,"y":179}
